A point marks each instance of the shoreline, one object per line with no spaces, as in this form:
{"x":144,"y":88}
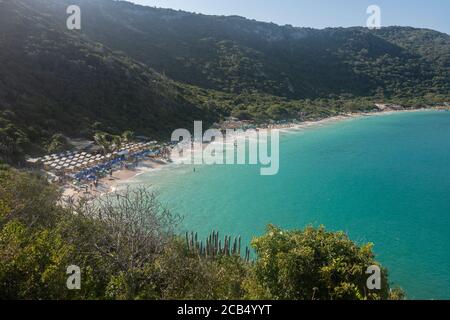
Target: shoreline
{"x":109,"y":184}
{"x":333,"y":119}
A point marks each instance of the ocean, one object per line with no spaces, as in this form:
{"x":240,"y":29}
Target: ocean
{"x":383,"y":179}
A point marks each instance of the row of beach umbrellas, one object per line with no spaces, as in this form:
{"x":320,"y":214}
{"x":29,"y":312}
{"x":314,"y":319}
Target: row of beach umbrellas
{"x":71,"y":161}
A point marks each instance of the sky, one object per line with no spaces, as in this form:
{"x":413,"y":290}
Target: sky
{"x":432,"y":14}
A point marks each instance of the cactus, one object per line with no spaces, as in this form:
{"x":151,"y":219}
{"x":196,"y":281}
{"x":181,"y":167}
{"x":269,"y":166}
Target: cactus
{"x":213,"y":246}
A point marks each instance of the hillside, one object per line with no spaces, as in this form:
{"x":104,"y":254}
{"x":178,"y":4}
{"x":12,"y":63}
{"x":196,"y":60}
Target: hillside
{"x":52,"y":80}
{"x":234,"y":54}
{"x":152,"y":70}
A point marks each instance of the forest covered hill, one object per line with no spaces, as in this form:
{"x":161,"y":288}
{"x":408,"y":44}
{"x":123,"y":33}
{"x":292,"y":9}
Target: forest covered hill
{"x":152,"y":70}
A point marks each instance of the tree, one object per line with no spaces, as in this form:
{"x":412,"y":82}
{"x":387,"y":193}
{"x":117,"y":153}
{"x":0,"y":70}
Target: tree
{"x":184,"y":274}
{"x":28,"y":198}
{"x":135,"y":229}
{"x":101,"y":140}
{"x":58,"y":143}
{"x":127,"y":136}
{"x":33,"y":262}
{"x":109,"y":142}
{"x":13,"y":142}
{"x":312,"y":264}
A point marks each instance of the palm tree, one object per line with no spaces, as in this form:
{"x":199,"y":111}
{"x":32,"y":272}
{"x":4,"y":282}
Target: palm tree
{"x":116,"y":143}
{"x":127,"y":136}
{"x":101,"y":140}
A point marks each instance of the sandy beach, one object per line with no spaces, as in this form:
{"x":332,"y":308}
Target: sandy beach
{"x":110,"y":183}
{"x":306,"y":124}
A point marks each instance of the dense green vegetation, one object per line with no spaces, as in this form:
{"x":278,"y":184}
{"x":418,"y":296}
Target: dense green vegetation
{"x":127,"y":248}
{"x":234,"y":54}
{"x":53,"y":81}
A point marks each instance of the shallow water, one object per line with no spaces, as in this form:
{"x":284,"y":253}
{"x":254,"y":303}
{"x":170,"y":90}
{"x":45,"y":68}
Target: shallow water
{"x":382,"y":179}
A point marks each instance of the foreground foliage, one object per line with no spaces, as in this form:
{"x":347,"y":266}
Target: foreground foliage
{"x":312,"y":263}
{"x":127,"y":248}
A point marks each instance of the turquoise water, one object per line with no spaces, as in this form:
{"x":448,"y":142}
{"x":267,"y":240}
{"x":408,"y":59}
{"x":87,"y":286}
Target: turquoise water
{"x":382,"y":179}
